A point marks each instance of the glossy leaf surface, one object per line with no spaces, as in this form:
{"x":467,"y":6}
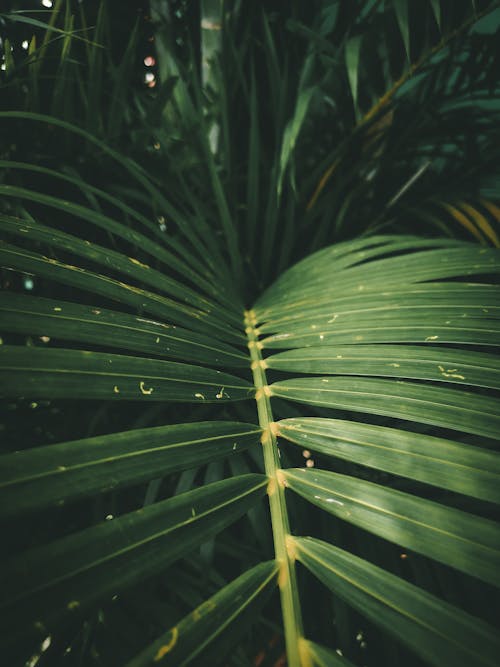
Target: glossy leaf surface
{"x":455,"y":538}
{"x":427,"y":363}
{"x":36,"y":478}
{"x":438,"y":632}
{"x":42,"y":585}
{"x":452,"y":465}
{"x":216,"y":624}
{"x":51,"y":373}
{"x":449,"y":408}
{"x":70,"y":321}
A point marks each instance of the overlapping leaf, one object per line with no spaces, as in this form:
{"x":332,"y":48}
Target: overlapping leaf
{"x":41,"y":586}
{"x":213,"y":627}
{"x":456,"y":538}
{"x":36,"y":478}
{"x":438,"y":632}
{"x":57,"y":373}
{"x":463,"y":468}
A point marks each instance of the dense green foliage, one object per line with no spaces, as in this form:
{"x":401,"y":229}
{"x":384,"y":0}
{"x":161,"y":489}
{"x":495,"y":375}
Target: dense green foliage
{"x":250,"y":320}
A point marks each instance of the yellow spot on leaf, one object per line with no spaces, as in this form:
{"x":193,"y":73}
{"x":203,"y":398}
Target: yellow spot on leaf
{"x":74,"y":604}
{"x":144,"y":390}
{"x":116,"y":390}
{"x":166,"y":648}
{"x":199,"y":396}
{"x":136,"y":261}
{"x":431,"y":338}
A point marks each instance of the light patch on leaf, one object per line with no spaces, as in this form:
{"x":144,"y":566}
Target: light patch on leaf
{"x":166,"y":648}
{"x":136,"y":261}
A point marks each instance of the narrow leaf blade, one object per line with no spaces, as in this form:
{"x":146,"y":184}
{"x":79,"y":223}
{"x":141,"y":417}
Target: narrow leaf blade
{"x":444,"y":463}
{"x":44,"y":586}
{"x":217,"y":623}
{"x":448,"y":408}
{"x":460,"y":540}
{"x":438,"y":632}
{"x":33,"y":479}
{"x":58,"y":373}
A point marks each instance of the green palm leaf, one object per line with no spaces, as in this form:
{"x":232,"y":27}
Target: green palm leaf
{"x":166,"y":357}
{"x":438,"y":632}
{"x":449,"y":408}
{"x":70,"y":321}
{"x":216,"y":623}
{"x":66,"y":576}
{"x":82,"y":374}
{"x":458,"y":539}
{"x":37,"y":478}
{"x":445,"y":463}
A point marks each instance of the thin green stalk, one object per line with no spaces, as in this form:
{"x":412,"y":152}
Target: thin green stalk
{"x":292,"y":617}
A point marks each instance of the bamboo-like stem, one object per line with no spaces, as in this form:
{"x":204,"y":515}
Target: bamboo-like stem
{"x":292,"y":618}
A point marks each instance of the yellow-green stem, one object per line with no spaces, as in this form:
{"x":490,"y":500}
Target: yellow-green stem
{"x":292,"y":619}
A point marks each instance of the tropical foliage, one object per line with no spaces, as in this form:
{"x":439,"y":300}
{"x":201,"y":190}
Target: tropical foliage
{"x":250,"y":321}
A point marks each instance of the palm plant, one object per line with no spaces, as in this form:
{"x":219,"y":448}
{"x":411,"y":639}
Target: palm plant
{"x":231,"y":369}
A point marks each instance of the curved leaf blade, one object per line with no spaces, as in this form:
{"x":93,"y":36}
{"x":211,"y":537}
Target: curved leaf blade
{"x":330,"y":302}
{"x":415,"y":362}
{"x":33,"y":479}
{"x":464,"y":260}
{"x":448,"y":408}
{"x":43,"y":586}
{"x":71,"y":321}
{"x":58,"y":373}
{"x":444,"y":463}
{"x":160,"y":306}
{"x":111,"y":260}
{"x":460,"y":540}
{"x":228,"y":611}
{"x":438,"y":632}
{"x":428,"y":298}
